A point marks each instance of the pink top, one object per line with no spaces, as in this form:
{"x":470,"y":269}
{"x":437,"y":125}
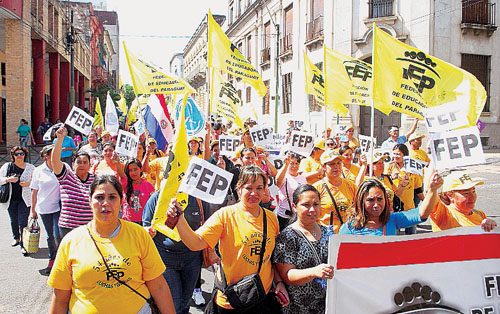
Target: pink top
{"x":132,"y":209}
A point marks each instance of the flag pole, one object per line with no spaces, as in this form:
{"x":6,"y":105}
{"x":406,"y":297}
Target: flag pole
{"x":372,"y":109}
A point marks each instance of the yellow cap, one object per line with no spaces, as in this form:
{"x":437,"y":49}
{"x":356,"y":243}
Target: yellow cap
{"x":330,"y":155}
{"x":376,"y":157}
{"x":319,"y":143}
{"x":459,"y":180}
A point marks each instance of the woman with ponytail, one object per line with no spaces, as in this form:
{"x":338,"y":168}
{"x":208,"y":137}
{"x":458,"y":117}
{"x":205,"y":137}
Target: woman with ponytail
{"x":136,"y":191}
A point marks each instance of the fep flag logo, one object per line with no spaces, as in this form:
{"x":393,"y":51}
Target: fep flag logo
{"x":410,"y":80}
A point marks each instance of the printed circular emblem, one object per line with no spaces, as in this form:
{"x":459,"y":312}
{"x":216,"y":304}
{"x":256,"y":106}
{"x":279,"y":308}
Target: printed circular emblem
{"x":163,"y":124}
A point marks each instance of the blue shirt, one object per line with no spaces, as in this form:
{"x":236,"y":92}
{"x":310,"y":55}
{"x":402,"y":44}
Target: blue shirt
{"x":389,"y":143}
{"x":67,"y":142}
{"x":396,"y":221}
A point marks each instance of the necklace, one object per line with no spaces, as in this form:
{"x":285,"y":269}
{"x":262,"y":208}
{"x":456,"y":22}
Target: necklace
{"x":312,"y":232}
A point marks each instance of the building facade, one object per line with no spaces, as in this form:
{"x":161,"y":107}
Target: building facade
{"x":35,"y":58}
{"x":275,"y":34}
{"x":195,"y":61}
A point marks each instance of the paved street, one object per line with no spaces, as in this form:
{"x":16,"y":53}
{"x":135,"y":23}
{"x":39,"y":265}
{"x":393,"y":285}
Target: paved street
{"x":24,"y":289}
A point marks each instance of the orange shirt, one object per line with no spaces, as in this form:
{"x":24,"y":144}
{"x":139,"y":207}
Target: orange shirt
{"x":240,"y":238}
{"x":102,"y":167}
{"x":351,"y":173}
{"x":444,"y":217}
{"x":344,"y":197}
{"x":413,"y":183}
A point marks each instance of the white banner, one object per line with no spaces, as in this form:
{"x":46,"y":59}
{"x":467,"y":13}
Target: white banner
{"x":276,"y":145}
{"x":48,"y":134}
{"x":111,"y":123}
{"x":302,"y":143}
{"x":445,"y":117}
{"x":206,"y":181}
{"x":454,"y":271}
{"x":228,"y":144}
{"x":278,"y":162}
{"x":126,"y":144}
{"x":80,"y":120}
{"x":366,"y":143}
{"x":261,"y":135}
{"x":457,"y":148}
{"x":414,"y":166}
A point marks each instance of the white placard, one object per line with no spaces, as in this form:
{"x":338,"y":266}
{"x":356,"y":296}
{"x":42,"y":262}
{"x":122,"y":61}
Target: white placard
{"x":457,"y":148}
{"x":451,"y":271}
{"x":80,"y":120}
{"x":206,"y":181}
{"x":277,"y":144}
{"x":126,"y":144}
{"x":48,"y":134}
{"x":366,"y":142}
{"x":414,"y":166}
{"x":301,"y":143}
{"x":261,"y":135}
{"x":139,"y":126}
{"x":446,"y":117}
{"x":228,"y":144}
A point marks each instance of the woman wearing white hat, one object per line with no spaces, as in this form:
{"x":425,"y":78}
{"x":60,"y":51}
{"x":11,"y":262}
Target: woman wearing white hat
{"x":457,"y":205}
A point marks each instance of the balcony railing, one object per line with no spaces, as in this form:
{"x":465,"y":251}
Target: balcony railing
{"x":286,"y":44}
{"x":314,"y":29}
{"x":265,"y":56}
{"x":478,"y":12}
{"x":380,"y":8}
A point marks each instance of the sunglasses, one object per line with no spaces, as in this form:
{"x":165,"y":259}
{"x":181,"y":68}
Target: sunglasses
{"x":18,"y":154}
{"x":330,"y":144}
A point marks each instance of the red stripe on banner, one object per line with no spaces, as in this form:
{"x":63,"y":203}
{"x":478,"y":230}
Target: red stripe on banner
{"x":419,"y":251}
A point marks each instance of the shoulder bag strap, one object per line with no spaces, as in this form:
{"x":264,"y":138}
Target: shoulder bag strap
{"x":334,"y":205}
{"x":316,"y":256}
{"x":112,"y":273}
{"x":287,"y":196}
{"x":262,"y":251}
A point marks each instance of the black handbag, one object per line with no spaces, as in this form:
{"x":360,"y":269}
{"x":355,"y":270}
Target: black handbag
{"x":5,"y":189}
{"x":249,"y":290}
{"x":150,"y":301}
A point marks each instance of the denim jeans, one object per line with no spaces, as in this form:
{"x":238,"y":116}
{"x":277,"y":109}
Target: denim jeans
{"x":18,"y":213}
{"x":53,"y":235}
{"x":181,"y":274}
{"x":63,"y":231}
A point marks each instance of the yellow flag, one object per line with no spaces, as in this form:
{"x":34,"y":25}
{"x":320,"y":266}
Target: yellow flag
{"x":98,"y":115}
{"x":121,"y":103}
{"x":224,"y":99}
{"x":348,"y":81}
{"x":410,"y":80}
{"x":315,"y":82}
{"x":223,"y":55}
{"x":148,"y":80}
{"x":176,"y":168}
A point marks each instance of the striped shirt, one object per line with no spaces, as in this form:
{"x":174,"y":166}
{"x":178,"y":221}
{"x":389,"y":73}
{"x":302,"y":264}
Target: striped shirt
{"x":75,"y":205}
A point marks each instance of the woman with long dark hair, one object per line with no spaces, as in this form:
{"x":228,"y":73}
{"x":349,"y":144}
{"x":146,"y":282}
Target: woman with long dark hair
{"x":136,"y":191}
{"x":372,"y":214}
{"x":18,"y":174}
{"x":99,"y":264}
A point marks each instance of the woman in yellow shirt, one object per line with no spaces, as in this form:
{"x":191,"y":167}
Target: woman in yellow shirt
{"x":336,"y":193}
{"x":457,"y":205}
{"x":377,"y":164}
{"x":238,"y":230}
{"x":404,"y":183}
{"x":349,"y":171}
{"x":86,"y":282}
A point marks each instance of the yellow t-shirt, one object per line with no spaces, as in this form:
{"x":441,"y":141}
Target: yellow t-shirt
{"x":420,"y":155}
{"x":353,"y":143}
{"x":351,"y":173}
{"x":309,"y":165}
{"x":102,"y":167}
{"x":344,"y":197}
{"x":240,"y":239}
{"x":444,"y":217}
{"x":156,"y":171}
{"x":78,"y":267}
{"x":413,"y":183}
